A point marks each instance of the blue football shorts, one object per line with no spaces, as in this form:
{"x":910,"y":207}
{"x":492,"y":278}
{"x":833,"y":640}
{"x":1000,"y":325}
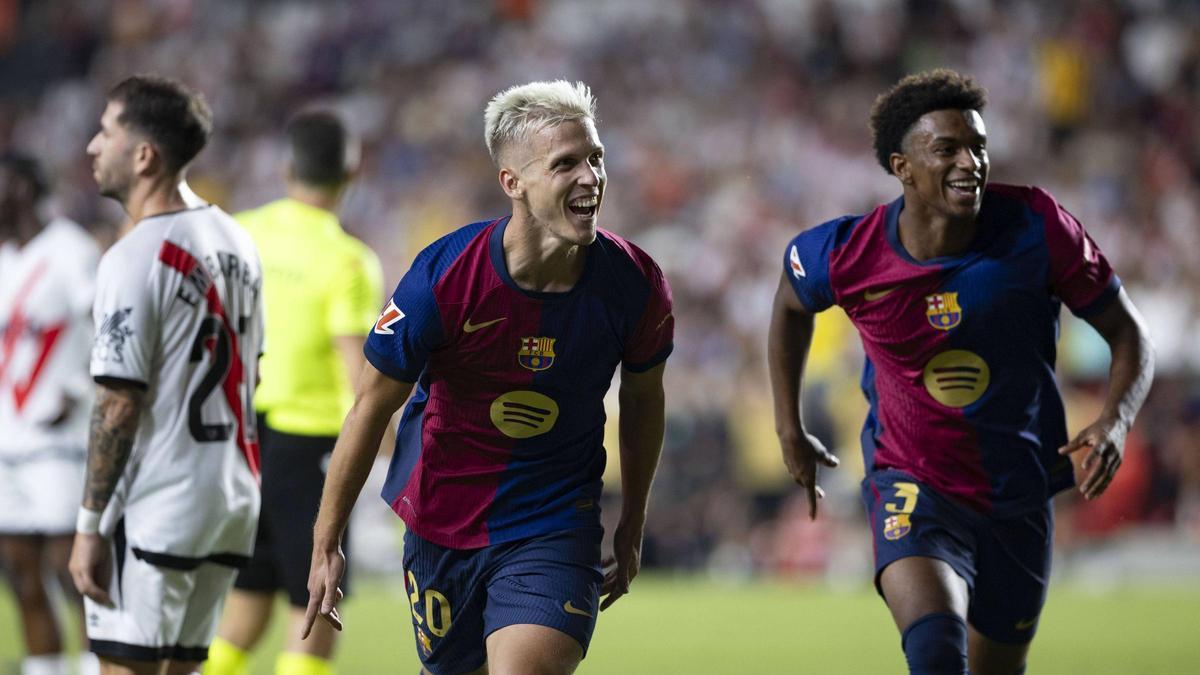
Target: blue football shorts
{"x":1005,"y":561}
{"x":459,"y":597}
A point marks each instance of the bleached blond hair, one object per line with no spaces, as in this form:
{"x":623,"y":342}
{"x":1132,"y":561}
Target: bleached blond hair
{"x":515,"y":113}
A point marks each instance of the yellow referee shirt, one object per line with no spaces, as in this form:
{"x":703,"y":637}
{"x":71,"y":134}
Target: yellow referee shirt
{"x":318,"y":283}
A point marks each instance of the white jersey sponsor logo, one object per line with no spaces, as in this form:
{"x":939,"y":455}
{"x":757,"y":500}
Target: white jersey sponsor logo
{"x":113,"y":332}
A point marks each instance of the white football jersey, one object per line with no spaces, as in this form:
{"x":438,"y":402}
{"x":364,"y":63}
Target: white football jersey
{"x":46,"y":290}
{"x":179,"y":310}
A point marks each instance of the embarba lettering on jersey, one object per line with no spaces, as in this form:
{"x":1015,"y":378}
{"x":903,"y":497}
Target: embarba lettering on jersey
{"x":179,"y":311}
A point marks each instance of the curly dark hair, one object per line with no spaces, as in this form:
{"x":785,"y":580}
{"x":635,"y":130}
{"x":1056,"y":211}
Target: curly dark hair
{"x":898,"y":109}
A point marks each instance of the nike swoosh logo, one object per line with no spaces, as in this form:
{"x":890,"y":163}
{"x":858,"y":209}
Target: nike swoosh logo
{"x":572,"y":609}
{"x":469,"y":327}
{"x":1026,"y":624}
{"x":871,"y":296}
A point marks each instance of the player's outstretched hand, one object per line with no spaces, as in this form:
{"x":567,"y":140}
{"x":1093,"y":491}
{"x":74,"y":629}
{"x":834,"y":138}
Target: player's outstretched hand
{"x":91,"y":567}
{"x":626,"y":560}
{"x":801,"y":454}
{"x":324,"y":575}
{"x":1106,"y":442}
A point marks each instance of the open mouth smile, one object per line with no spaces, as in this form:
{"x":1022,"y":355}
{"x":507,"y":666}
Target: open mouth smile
{"x":584,"y":206}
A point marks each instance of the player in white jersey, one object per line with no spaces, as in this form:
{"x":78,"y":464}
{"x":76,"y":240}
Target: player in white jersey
{"x":171,"y":498}
{"x":47,"y":275}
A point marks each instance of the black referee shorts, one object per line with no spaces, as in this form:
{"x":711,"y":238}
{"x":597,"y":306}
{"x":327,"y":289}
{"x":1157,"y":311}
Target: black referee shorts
{"x":293,"y":474}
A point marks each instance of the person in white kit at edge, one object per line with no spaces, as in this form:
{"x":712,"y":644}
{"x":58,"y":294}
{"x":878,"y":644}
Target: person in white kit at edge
{"x":47,"y":280}
{"x":171,"y":495}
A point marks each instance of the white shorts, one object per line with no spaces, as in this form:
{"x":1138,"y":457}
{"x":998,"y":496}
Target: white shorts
{"x":40,"y":493}
{"x":159,"y":613}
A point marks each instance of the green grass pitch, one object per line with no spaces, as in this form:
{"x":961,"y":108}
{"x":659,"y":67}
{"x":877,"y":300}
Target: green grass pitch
{"x":693,"y":625}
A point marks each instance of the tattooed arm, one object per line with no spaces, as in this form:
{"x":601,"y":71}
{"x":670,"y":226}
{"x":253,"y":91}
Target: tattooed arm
{"x":114,"y":423}
{"x":115,"y":419}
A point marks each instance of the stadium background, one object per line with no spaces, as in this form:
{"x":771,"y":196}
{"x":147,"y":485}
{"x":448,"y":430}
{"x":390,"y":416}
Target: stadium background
{"x":730,"y":125}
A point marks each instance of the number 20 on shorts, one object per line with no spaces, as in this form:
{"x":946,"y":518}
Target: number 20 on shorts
{"x":437,"y":618}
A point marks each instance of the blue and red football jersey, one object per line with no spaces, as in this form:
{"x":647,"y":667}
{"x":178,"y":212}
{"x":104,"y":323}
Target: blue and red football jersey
{"x":502,"y":438}
{"x":960,"y":350}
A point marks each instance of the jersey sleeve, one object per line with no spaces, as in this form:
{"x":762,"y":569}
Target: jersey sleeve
{"x":408,"y":328}
{"x":806,"y":263}
{"x":653,"y":339}
{"x":1080,"y":274}
{"x":125,"y":316}
{"x":355,"y":292}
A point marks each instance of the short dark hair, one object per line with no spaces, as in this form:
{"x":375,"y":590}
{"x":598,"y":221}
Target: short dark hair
{"x":898,"y":109}
{"x":320,"y":147}
{"x":175,"y":118}
{"x":29,"y":169}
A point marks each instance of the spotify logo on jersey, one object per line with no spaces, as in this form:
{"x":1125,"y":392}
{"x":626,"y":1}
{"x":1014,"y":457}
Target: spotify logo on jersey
{"x":523,"y":414}
{"x":956,"y":378}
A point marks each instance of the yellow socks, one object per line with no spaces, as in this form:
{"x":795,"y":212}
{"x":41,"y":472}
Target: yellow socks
{"x":291,"y":663}
{"x":224,"y":658}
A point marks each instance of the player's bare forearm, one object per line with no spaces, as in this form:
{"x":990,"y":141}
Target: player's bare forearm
{"x":642,"y":422}
{"x":115,"y":417}
{"x":378,"y":397}
{"x":1132,"y":369}
{"x":788,"y":340}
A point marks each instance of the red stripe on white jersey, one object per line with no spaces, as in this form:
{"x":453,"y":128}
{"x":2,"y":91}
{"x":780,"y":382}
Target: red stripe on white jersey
{"x":180,"y":260}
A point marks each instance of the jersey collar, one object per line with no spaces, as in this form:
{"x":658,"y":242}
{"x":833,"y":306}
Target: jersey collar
{"x":496,"y":254}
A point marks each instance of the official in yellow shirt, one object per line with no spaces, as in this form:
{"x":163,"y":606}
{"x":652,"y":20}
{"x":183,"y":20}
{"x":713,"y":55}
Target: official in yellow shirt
{"x":322,"y":290}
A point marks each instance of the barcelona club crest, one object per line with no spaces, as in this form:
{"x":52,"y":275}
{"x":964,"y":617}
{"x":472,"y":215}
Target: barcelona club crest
{"x":896,"y":526}
{"x":536,"y":353}
{"x":942,"y":310}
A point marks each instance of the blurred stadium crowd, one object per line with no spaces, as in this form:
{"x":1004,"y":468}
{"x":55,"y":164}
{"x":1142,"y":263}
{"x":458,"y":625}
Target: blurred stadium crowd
{"x":730,"y":125}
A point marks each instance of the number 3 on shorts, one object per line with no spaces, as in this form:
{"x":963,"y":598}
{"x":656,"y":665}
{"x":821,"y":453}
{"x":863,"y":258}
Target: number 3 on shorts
{"x":908,"y":492}
{"x":438,"y":623}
